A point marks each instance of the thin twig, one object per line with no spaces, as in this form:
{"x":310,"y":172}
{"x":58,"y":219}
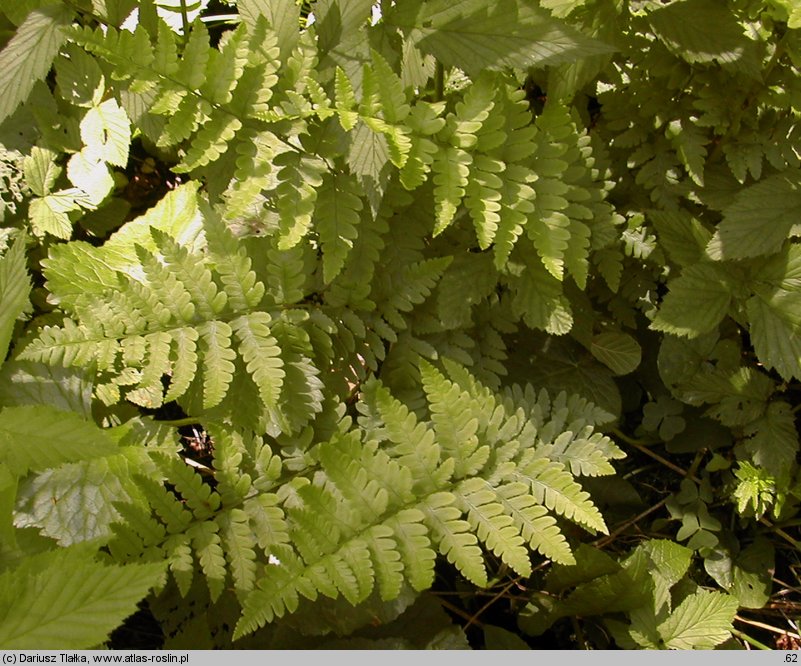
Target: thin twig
{"x":477,"y":614}
{"x":603,"y":541}
{"x":768,"y":627}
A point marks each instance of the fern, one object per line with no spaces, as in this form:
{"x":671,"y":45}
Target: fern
{"x":179,"y":322}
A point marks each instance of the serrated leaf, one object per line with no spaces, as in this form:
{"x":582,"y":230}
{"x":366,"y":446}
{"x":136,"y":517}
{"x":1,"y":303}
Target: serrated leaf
{"x":41,"y":170}
{"x":759,"y":219}
{"x":700,"y":622}
{"x":106,"y":131}
{"x":75,"y":502}
{"x":696,"y":301}
{"x":27,"y":58}
{"x":37,"y":437}
{"x":474,"y":35}
{"x":618,"y":351}
{"x":773,"y":443}
{"x":15,"y":285}
{"x":49,"y":214}
{"x":699,"y":31}
{"x":25,"y":383}
{"x":776,"y":330}
{"x":91,"y":175}
{"x":62,"y":600}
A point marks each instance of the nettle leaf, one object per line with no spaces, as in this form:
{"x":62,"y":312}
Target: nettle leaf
{"x":64,"y":600}
{"x":699,"y":31}
{"x":700,"y":622}
{"x":475,"y":35}
{"x":760,"y":218}
{"x":618,"y":351}
{"x":27,"y":58}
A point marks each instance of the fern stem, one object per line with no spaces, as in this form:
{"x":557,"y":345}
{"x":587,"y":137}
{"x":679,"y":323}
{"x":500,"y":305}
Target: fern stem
{"x":752,"y":641}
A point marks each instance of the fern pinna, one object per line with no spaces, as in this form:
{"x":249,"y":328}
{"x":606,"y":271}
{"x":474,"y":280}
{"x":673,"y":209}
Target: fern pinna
{"x":379,"y":499}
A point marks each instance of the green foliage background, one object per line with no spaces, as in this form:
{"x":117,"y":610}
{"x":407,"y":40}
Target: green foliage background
{"x":403,"y":324}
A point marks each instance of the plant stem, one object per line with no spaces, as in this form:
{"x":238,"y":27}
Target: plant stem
{"x":439,"y":82}
{"x":767,"y":627}
{"x":748,"y":639}
{"x":184,"y":20}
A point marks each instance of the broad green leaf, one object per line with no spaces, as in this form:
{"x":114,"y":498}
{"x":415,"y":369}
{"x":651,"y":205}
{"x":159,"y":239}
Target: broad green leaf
{"x":618,"y":351}
{"x":775,"y":320}
{"x":15,"y":285}
{"x":700,"y":622}
{"x":38,"y":437}
{"x":28,"y":56}
{"x":773,"y":441}
{"x":475,"y":35}
{"x":498,"y":638}
{"x":106,"y":131}
{"x":752,"y":574}
{"x":696,"y":301}
{"x":8,"y":495}
{"x":49,"y":214}
{"x":26,"y":383}
{"x":64,"y":600}
{"x":671,"y":562}
{"x":591,"y":563}
{"x":682,"y":236}
{"x":80,"y":79}
{"x":793,"y":12}
{"x":699,"y":31}
{"x":41,"y":170}
{"x":760,"y":218}
{"x":75,"y":502}
{"x":91,"y":175}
